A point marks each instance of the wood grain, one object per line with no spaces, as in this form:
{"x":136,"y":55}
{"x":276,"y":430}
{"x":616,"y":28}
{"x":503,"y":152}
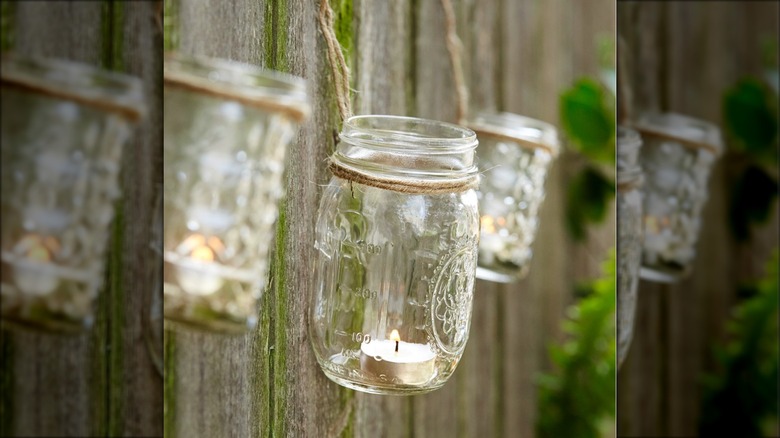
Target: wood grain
{"x":682,"y":61}
{"x":104,"y":381}
{"x":399,"y":65}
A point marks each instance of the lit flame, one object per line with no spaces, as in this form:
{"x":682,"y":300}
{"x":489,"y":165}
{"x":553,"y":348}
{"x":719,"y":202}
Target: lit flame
{"x":203,"y":253}
{"x":37,"y":248}
{"x":488,"y":224}
{"x":201,"y":249}
{"x":394,"y":336}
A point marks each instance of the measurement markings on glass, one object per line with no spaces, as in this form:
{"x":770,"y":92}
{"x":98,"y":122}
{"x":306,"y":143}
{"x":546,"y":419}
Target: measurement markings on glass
{"x":362,"y":338}
{"x":364,"y":247}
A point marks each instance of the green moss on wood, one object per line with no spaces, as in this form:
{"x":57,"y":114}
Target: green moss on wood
{"x":278,"y":354}
{"x":116,"y":326}
{"x":275,"y":36}
{"x":343,"y":26}
{"x":169,"y":384}
{"x":112,"y":35}
{"x":7,"y":14}
{"x":170,"y":25}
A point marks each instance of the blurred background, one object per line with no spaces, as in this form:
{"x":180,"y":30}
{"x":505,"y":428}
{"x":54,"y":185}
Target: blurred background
{"x":704,"y":355}
{"x":101,"y":381}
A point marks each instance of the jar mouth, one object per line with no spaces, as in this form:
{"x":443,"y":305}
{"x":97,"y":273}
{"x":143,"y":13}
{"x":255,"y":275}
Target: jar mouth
{"x":526,"y":131}
{"x":246,"y":83}
{"x":395,"y":151}
{"x":692,"y":132}
{"x":78,"y":82}
{"x":407,"y":134}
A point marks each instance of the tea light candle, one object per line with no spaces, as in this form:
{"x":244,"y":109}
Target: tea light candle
{"x":33,"y":272}
{"x":393,"y":358}
{"x":197,"y":272}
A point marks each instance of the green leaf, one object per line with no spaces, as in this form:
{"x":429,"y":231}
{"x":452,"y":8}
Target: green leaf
{"x":587,"y":200}
{"x":752,"y":196}
{"x":750,"y":118}
{"x":587,"y":113}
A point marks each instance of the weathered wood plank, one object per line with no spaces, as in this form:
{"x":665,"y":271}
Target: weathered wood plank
{"x":103,"y":381}
{"x":683,"y":61}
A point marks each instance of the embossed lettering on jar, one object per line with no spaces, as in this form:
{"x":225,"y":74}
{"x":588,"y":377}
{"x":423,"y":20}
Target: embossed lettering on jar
{"x":677,"y":156}
{"x":396,"y":252}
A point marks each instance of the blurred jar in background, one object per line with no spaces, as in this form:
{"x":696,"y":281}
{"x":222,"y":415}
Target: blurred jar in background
{"x":514,"y":156}
{"x":227,"y":127}
{"x":63,"y":128}
{"x":677,"y":156}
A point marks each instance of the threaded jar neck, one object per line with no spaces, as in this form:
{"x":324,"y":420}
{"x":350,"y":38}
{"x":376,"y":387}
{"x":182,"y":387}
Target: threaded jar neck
{"x":407,"y":151}
{"x":629,"y":173}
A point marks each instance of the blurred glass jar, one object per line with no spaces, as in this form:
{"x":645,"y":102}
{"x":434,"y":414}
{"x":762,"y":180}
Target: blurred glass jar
{"x":227,"y":127}
{"x":396,"y":253}
{"x":677,"y":156}
{"x":515,"y":155}
{"x":63,"y":128}
{"x":629,"y":234}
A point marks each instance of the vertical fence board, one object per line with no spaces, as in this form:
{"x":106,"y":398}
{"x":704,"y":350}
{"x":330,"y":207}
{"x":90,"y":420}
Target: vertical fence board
{"x":683,"y":61}
{"x":102,"y":381}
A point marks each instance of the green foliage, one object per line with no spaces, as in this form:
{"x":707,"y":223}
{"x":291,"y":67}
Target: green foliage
{"x":587,"y":113}
{"x":742,"y":397}
{"x":587,"y":199}
{"x":750,"y":116}
{"x":750,"y":121}
{"x":576,"y":398}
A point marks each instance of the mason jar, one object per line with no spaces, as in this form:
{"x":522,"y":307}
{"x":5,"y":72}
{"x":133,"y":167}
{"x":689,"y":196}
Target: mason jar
{"x":227,"y":126}
{"x":677,"y":156}
{"x":515,"y":155}
{"x":629,"y":235}
{"x":396,"y":254}
{"x":63,"y":128}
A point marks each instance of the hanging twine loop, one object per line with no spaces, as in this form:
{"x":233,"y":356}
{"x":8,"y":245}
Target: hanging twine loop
{"x":338,"y":63}
{"x":454,"y":47}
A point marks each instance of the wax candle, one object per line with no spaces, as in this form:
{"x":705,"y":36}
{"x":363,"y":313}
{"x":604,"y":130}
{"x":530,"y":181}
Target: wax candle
{"x":197,"y":271}
{"x":408,"y":363}
{"x":32,"y":268}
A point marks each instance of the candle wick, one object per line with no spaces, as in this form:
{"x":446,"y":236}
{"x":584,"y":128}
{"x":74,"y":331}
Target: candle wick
{"x":396,"y":346}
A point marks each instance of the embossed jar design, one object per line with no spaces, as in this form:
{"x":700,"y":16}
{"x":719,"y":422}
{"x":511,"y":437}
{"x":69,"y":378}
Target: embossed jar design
{"x":63,"y":128}
{"x":515,"y":154}
{"x":227,"y":126}
{"x":396,"y":254}
{"x":629,"y":235}
{"x":677,"y":156}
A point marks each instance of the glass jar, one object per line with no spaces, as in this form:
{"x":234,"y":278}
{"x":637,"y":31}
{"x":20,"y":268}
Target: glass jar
{"x":515,"y":154}
{"x":677,"y":156}
{"x":227,"y":126}
{"x":629,"y":234}
{"x":63,"y":128}
{"x":396,"y":254}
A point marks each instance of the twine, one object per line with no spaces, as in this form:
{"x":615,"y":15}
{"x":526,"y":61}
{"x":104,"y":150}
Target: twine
{"x":336,"y":59}
{"x":485,"y":131}
{"x":454,"y":47}
{"x":405,"y":185}
{"x":688,"y":143}
{"x":126,"y":111}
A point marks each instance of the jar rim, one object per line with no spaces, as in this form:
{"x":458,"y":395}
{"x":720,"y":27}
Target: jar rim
{"x":246,"y":83}
{"x":524,"y":130}
{"x":407,"y":133}
{"x":82,"y":83}
{"x":690,"y":131}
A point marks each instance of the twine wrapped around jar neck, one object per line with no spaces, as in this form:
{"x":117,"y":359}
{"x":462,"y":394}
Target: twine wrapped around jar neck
{"x":406,"y":155}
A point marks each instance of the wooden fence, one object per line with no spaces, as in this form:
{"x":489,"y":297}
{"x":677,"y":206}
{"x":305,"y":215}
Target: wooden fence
{"x":518,"y":56}
{"x":682,"y":56}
